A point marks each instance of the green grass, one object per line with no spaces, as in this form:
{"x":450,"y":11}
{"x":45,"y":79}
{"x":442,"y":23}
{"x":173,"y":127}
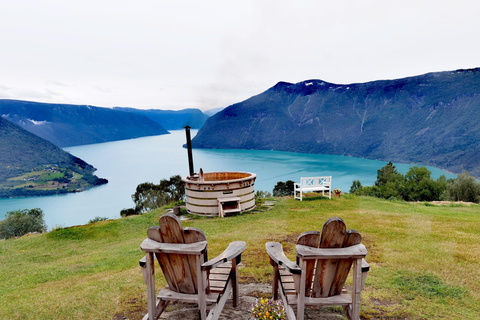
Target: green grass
{"x":425,"y":260}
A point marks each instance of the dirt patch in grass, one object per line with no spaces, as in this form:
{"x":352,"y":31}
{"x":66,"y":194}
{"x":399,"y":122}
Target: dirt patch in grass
{"x":448,"y":203}
{"x":248,"y":294}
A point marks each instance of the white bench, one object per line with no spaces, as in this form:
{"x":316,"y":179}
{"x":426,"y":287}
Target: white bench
{"x":308,"y":184}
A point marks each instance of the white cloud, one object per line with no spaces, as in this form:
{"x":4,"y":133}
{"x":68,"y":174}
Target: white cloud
{"x":207,"y":54}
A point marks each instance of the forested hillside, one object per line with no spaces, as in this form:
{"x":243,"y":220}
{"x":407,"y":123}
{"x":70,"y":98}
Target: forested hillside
{"x":30,"y":165}
{"x":432,"y":119}
{"x":71,"y":125}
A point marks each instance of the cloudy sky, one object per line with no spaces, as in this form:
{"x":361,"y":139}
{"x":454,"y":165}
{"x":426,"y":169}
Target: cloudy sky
{"x":209,"y":54}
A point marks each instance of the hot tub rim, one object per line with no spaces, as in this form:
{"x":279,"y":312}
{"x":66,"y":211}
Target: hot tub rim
{"x":250,"y":176}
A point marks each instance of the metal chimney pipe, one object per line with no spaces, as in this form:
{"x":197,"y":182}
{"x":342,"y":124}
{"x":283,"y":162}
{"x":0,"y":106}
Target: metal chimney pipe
{"x":189,"y":149}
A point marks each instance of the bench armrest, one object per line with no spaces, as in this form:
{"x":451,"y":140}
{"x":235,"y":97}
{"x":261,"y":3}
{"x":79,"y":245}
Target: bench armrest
{"x":275,"y":251}
{"x":233,"y":251}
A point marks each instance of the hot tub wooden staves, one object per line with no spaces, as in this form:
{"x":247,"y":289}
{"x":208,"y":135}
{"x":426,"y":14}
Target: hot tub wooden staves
{"x":220,"y":193}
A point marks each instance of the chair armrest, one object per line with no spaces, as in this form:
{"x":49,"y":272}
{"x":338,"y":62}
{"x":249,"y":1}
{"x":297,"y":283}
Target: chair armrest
{"x":196,"y":248}
{"x":233,"y":251}
{"x":275,"y":251}
{"x":353,"y":252}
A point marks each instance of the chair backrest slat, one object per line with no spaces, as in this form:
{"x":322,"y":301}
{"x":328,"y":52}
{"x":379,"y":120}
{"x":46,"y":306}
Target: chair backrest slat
{"x":192,"y":235}
{"x":344,"y":265}
{"x":334,"y":235}
{"x":311,"y":239}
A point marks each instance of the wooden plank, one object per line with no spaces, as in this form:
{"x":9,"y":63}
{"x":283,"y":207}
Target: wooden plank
{"x":338,"y":300}
{"x":234,"y":281}
{"x":194,"y":235}
{"x":218,"y":277}
{"x":233,"y":251}
{"x":151,"y":286}
{"x":333,"y":235}
{"x":169,"y":295}
{"x":309,"y":239}
{"x":172,"y":232}
{"x":352,"y":252}
{"x":215,"y":311}
{"x":196,"y":248}
{"x":357,"y":287}
{"x":154,"y":234}
{"x":275,"y":251}
{"x":344,"y":265}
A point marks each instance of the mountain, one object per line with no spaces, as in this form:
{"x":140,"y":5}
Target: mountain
{"x":71,"y":125}
{"x":211,"y":112}
{"x":431,"y":119}
{"x":170,"y":119}
{"x":30,"y":165}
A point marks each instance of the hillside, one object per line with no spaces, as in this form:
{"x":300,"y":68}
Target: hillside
{"x":30,"y":165}
{"x":172,"y":119}
{"x":71,"y":125}
{"x":430,"y":119}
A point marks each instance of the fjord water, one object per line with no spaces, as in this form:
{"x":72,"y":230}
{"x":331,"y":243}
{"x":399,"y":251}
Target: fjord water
{"x":130,"y":162}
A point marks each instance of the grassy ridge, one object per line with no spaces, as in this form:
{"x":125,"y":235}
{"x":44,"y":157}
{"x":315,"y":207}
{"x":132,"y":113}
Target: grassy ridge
{"x":425,"y":260}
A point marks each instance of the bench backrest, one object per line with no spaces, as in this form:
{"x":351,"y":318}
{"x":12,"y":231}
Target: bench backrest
{"x":315,"y":181}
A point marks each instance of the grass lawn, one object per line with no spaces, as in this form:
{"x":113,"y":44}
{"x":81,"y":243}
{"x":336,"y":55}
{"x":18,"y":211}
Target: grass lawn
{"x":425,"y":260}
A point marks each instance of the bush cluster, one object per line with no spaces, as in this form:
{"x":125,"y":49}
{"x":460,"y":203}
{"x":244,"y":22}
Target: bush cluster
{"x":20,"y":222}
{"x":149,"y":196}
{"x":282,"y":189}
{"x":418,"y":185}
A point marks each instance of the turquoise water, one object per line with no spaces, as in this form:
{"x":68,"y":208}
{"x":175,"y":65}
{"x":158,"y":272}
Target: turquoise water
{"x":130,"y":162}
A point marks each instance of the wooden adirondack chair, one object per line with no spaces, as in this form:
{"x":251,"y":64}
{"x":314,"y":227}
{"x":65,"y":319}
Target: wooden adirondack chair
{"x":318,"y":277}
{"x":182,"y":255}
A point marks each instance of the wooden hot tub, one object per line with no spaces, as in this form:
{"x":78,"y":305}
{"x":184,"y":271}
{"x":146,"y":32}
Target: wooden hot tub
{"x":220,"y":193}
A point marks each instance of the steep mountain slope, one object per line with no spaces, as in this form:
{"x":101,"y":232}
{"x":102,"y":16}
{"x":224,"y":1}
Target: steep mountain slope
{"x":25,"y":157}
{"x":432,"y":119}
{"x":171,"y":119}
{"x":71,"y":125}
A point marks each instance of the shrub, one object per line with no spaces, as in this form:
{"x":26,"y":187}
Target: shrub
{"x":128,"y":212}
{"x":282,"y":189}
{"x":416,"y":185}
{"x":20,"y":222}
{"x":262,"y":194}
{"x":356,"y":184}
{"x":463,"y":188}
{"x":149,"y":196}
{"x":97,"y":219}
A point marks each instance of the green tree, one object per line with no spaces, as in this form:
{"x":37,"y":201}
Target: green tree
{"x":416,"y":185}
{"x":356,"y":184}
{"x":282,"y":189}
{"x":463,"y":188}
{"x":386,"y":174}
{"x":20,"y":222}
{"x":149,"y":196}
{"x":419,"y":185}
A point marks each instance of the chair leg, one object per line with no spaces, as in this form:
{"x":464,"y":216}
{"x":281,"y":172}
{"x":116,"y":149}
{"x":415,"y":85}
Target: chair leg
{"x":348,"y":311}
{"x":150,"y":277}
{"x":202,"y":287}
{"x":275,"y":281}
{"x":235,"y":283}
{"x":357,"y":288}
